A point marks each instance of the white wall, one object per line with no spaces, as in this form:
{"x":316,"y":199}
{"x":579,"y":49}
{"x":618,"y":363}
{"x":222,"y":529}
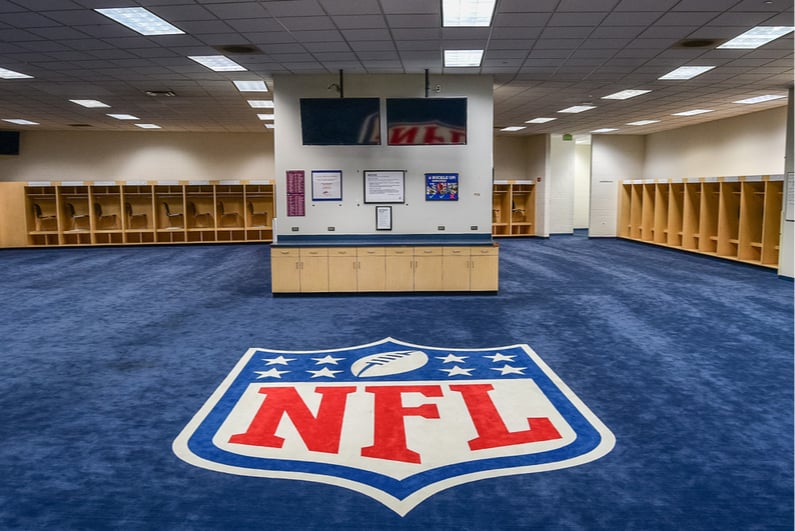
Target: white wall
{"x":473,"y":161}
{"x":751,"y":144}
{"x":613,"y":159}
{"x":582,"y":185}
{"x":100,"y":156}
{"x":786,"y":259}
{"x":559,"y":194}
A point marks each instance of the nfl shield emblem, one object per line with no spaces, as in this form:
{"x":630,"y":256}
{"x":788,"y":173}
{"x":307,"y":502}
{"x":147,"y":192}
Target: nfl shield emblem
{"x":396,"y":421}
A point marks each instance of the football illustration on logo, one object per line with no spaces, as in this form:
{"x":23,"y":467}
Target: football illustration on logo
{"x":387,"y":363}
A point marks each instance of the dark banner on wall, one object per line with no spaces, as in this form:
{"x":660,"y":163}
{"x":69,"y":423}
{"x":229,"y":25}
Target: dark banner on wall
{"x":426,"y":121}
{"x":340,"y":121}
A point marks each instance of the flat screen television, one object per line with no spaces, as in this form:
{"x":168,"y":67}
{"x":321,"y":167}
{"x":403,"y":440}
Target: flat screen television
{"x":426,"y":121}
{"x":9,"y":142}
{"x":340,"y":121}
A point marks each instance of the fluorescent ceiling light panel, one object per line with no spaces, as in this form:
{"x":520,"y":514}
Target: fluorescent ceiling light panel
{"x":148,"y":126}
{"x":217,"y":63}
{"x":462,"y":58}
{"x":625,"y":94}
{"x":140,"y":20}
{"x":265,"y":116}
{"x":269,"y":126}
{"x":10,"y":74}
{"x":604,"y":130}
{"x":251,"y":86}
{"x":686,"y":72}
{"x":468,"y":13}
{"x":578,"y":108}
{"x":760,"y":99}
{"x":19,"y":121}
{"x":643,"y":122}
{"x":513,"y":128}
{"x":692,"y":113}
{"x":540,"y":120}
{"x":756,"y":37}
{"x":91,"y":104}
{"x":124,"y":116}
{"x":261,"y":104}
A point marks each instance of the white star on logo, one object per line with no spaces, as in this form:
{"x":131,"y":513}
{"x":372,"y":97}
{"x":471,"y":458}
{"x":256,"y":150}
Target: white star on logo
{"x":506,"y":369}
{"x":452,"y":358}
{"x":500,"y":357}
{"x":327,"y":359}
{"x":456,"y":370}
{"x":275,"y":373}
{"x":281,"y":360}
{"x":325,"y":371}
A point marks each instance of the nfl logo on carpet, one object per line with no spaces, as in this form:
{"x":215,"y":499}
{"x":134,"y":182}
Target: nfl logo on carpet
{"x":392,"y":420}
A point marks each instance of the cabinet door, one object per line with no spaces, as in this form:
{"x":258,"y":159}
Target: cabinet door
{"x":400,"y":269}
{"x":314,"y":270}
{"x":427,"y":268}
{"x":484,"y":269}
{"x":455,"y":269}
{"x":342,"y":269}
{"x":371,"y":274}
{"x":13,"y":232}
{"x":285,"y":272}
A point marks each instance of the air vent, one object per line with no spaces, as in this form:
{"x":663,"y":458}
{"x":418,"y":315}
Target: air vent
{"x":157,"y":93}
{"x":238,"y":49}
{"x":80,"y":125}
{"x":698,"y":43}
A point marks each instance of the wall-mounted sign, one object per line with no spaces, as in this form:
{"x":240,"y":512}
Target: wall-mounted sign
{"x":384,"y":186}
{"x":295,"y":193}
{"x":441,"y":187}
{"x":326,"y":185}
{"x":383,"y":218}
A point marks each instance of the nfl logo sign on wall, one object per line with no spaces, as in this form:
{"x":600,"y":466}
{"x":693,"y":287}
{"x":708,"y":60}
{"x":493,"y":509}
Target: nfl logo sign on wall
{"x":395,"y":421}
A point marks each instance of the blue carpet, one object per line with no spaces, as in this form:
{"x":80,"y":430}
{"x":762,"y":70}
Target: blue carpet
{"x":108,"y":352}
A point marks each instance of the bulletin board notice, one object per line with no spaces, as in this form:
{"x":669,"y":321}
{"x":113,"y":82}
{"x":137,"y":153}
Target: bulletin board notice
{"x":384,"y":186}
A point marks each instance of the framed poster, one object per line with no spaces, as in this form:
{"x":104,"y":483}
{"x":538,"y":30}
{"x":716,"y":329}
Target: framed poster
{"x":326,"y":185}
{"x":384,"y":186}
{"x":383,"y":218}
{"x":441,"y":187}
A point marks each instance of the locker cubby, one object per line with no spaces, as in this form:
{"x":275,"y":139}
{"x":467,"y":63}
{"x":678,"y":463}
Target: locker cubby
{"x":513,"y":208}
{"x":144,"y":212}
{"x":737,"y":218}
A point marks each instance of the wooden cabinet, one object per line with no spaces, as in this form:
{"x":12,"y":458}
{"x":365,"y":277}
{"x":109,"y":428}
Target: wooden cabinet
{"x":513,"y":208}
{"x":119,"y":213}
{"x":384,"y":269}
{"x":738,"y":218}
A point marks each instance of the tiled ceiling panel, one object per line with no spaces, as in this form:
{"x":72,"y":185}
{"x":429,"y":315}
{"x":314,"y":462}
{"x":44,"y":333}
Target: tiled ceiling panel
{"x":544,"y":55}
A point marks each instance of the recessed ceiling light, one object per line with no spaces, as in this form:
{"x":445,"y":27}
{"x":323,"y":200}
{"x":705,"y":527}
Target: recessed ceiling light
{"x":625,"y":94}
{"x":462,"y":58}
{"x":578,"y":108}
{"x":540,"y":120}
{"x":756,"y":37}
{"x":10,"y":74}
{"x":643,"y":122}
{"x":605,"y":130}
{"x":467,"y":12}
{"x":269,"y":126}
{"x":251,"y":86}
{"x":90,"y":103}
{"x":19,"y":121}
{"x":513,"y":128}
{"x":140,"y":20}
{"x":261,"y":104}
{"x":265,"y":116}
{"x":760,"y":99}
{"x":217,"y":63}
{"x":686,"y":72}
{"x":124,"y":116}
{"x":692,"y":113}
{"x":147,"y":126}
